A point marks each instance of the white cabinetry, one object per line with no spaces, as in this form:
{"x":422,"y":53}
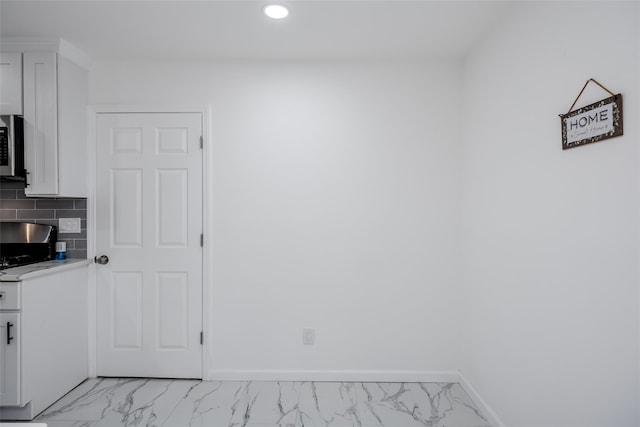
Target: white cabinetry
{"x":10,"y":83}
{"x":51,"y":334}
{"x":10,"y":358}
{"x":55,"y":138}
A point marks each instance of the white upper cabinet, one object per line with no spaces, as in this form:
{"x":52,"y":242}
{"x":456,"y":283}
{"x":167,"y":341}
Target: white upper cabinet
{"x":10,"y":83}
{"x":55,"y":125}
{"x":41,"y":123}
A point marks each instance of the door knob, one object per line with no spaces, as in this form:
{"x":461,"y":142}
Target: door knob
{"x":102,"y":260}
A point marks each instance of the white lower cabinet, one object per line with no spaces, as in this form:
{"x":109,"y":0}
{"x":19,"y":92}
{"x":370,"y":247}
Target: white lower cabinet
{"x":10,"y":358}
{"x":48,"y":355}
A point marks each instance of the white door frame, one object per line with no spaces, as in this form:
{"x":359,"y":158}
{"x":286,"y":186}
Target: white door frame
{"x":93,"y":111}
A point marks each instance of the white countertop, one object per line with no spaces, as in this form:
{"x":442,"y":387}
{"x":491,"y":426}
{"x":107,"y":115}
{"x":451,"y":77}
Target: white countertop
{"x":17,"y":274}
{"x":22,"y":424}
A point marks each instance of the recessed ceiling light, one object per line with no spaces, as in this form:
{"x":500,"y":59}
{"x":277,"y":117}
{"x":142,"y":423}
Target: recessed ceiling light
{"x":276,"y":11}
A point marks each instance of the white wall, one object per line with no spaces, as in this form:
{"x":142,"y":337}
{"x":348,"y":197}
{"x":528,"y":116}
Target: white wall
{"x":552,"y":235}
{"x":335,"y":191}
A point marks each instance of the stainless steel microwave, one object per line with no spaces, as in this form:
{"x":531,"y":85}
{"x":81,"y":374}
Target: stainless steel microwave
{"x":12,"y":148}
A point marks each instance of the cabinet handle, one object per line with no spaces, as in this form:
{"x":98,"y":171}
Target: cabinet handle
{"x":26,"y":178}
{"x":9,"y":337}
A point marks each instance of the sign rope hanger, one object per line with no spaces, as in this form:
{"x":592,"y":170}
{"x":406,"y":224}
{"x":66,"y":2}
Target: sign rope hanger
{"x":583,"y":88}
{"x":592,"y":123}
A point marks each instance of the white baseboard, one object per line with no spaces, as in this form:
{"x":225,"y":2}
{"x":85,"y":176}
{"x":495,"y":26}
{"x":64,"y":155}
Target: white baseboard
{"x":346,"y":376}
{"x":486,"y":410}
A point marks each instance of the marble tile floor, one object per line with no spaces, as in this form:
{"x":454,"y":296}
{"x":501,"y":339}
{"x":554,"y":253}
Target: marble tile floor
{"x":114,"y":402}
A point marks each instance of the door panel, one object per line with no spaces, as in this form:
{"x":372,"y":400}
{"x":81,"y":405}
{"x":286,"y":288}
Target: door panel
{"x":125,"y":304}
{"x":126,"y":208}
{"x":149,"y":221}
{"x":173,"y":309}
{"x":171,"y":209}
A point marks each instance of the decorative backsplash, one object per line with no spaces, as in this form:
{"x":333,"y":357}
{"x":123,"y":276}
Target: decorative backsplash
{"x":14,"y":206}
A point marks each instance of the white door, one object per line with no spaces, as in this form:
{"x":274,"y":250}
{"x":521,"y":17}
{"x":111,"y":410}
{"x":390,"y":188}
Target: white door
{"x":149,"y":225}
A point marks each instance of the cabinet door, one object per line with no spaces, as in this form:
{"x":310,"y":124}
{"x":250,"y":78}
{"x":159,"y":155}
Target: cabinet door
{"x":40,"y":123}
{"x":10,"y":359}
{"x":10,"y":83}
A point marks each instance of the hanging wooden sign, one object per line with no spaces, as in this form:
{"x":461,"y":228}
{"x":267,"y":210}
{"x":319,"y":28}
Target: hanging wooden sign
{"x":593,"y":123}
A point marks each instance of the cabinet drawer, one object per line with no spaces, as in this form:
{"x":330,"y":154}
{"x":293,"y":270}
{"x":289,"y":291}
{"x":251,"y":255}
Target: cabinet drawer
{"x":10,"y":296}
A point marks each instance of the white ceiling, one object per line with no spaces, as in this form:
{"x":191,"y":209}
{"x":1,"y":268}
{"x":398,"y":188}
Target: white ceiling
{"x":214,"y":29}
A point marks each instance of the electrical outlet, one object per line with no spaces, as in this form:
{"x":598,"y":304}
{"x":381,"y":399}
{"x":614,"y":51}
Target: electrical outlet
{"x":69,"y":225}
{"x":308,"y":336}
